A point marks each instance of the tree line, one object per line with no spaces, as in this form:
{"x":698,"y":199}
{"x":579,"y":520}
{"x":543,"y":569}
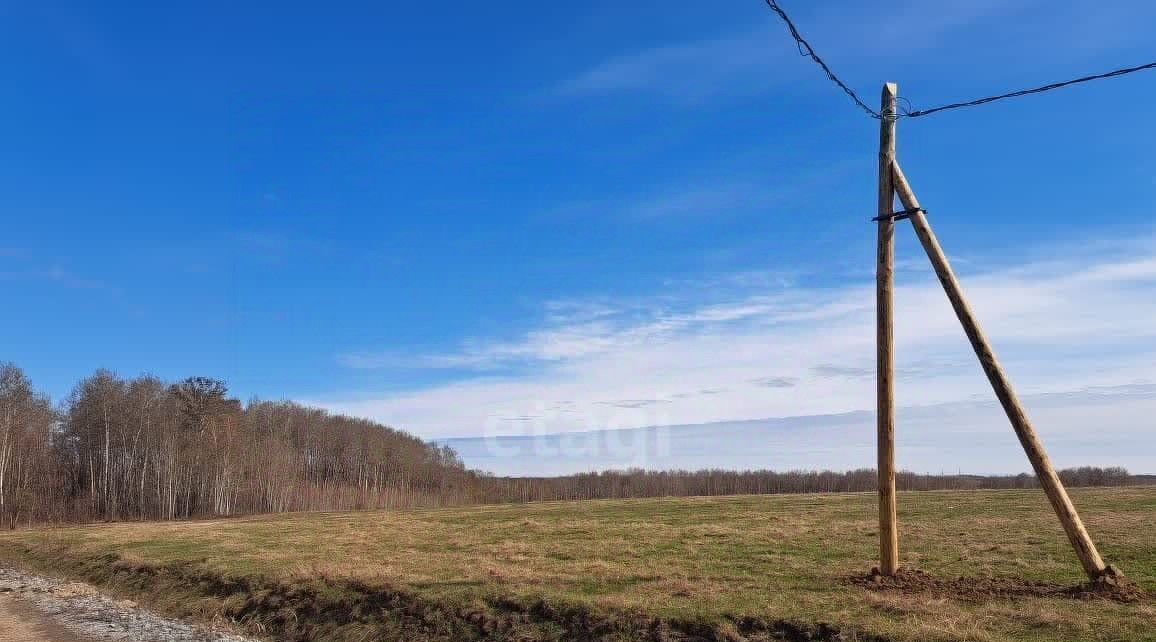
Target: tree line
{"x":690,"y":483}
{"x":141,"y":448}
{"x":131,"y":449}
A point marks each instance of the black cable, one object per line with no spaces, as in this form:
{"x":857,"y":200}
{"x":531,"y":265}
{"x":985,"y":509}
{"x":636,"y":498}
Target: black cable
{"x":1025,"y":92}
{"x":805,"y":49}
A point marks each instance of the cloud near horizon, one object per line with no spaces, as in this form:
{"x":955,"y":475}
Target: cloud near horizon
{"x":772,"y":348}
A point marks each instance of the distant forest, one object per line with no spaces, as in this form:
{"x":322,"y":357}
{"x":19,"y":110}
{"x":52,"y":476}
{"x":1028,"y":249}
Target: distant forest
{"x":143,"y":448}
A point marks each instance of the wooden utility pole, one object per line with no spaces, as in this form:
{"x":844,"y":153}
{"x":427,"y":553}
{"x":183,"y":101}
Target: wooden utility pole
{"x":1081,"y":541}
{"x":885,"y":363}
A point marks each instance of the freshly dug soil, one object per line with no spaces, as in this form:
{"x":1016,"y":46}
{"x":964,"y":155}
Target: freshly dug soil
{"x":319,"y":609}
{"x":983,"y":589}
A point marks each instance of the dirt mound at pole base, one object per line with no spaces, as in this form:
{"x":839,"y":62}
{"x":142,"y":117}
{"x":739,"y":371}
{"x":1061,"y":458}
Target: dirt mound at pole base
{"x":984,"y":589}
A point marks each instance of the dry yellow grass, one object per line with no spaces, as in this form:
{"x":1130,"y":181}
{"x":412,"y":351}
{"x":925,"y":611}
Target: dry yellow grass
{"x":773,"y":557}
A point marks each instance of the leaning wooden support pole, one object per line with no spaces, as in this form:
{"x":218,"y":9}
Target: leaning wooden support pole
{"x":1081,"y":541}
{"x":884,"y":339}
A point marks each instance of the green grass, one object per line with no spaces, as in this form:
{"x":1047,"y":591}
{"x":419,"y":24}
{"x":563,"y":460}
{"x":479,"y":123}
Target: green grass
{"x":700,"y":559}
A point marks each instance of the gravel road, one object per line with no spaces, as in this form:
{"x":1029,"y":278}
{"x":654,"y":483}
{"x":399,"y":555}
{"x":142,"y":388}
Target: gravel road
{"x":20,"y":622}
{"x":42,"y":609}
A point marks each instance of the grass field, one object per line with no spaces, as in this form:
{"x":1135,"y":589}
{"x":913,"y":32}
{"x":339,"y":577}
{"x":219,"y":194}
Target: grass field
{"x":728,"y":568}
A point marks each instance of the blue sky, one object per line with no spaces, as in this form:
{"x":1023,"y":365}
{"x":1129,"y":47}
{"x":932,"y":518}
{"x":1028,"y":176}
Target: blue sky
{"x":472,"y":219}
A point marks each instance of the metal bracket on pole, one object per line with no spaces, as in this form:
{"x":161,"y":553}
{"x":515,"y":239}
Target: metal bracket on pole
{"x":899,"y":216}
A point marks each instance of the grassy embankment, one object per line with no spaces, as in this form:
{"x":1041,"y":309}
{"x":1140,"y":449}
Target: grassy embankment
{"x":729,"y":568}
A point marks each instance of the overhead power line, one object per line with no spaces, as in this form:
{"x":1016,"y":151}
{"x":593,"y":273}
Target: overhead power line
{"x":805,"y":49}
{"x":1025,"y":92}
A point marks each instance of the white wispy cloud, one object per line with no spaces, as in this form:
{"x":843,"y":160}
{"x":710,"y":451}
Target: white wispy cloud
{"x":55,"y":274}
{"x":753,"y":60}
{"x":969,"y":436}
{"x":770,"y":348}
{"x":703,"y":201}
{"x":704,"y":197}
{"x":704,"y":67}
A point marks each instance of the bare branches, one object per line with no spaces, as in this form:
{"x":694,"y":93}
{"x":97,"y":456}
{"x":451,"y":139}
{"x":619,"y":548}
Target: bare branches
{"x":141,"y":449}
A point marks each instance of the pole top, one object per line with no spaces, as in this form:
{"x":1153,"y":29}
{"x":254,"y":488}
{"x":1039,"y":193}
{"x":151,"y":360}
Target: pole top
{"x":888,"y":105}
